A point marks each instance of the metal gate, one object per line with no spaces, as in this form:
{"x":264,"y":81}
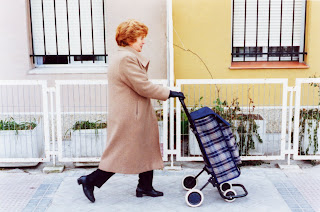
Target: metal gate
{"x":256,"y":109}
{"x":307,"y":119}
{"x":81,"y":107}
{"x":24,"y":124}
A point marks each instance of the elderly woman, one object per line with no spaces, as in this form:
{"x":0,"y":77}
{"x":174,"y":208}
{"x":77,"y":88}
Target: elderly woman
{"x":133,"y":136}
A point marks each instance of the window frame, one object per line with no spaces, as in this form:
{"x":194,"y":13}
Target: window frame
{"x":96,"y":66}
{"x":270,"y":55}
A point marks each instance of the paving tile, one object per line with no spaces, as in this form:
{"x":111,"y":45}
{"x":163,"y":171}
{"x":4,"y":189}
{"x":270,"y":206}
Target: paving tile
{"x":308,"y":184}
{"x":27,"y":209}
{"x":297,"y":210}
{"x":305,"y":206}
{"x":49,"y":193}
{"x":293,"y":190}
{"x":294,"y":205}
{"x":290,"y":185}
{"x":54,"y":186}
{"x":284,"y":192}
{"x":32,"y":204}
{"x":34,"y":201}
{"x":40,"y":209}
{"x":44,"y":202}
{"x":16,"y":189}
{"x":39,"y":193}
{"x":278,"y":185}
{"x":44,"y":186}
{"x":302,"y":201}
{"x":290,"y":200}
{"x":56,"y":180}
{"x":38,"y":197}
{"x":308,"y":210}
{"x":297,"y":195}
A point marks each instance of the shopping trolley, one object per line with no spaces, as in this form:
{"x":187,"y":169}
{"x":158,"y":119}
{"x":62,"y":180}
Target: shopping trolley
{"x":220,"y":154}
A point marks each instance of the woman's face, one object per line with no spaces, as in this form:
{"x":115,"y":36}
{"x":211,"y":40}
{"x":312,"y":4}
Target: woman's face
{"x":138,"y":44}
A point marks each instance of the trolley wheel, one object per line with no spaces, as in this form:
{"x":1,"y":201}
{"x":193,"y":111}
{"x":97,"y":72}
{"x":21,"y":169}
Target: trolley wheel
{"x":225,"y":186}
{"x":194,"y":198}
{"x":230,"y":193}
{"x":189,"y":182}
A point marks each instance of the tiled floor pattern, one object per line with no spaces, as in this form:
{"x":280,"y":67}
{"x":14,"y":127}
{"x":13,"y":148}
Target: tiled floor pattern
{"x":288,"y":190}
{"x":16,"y":189}
{"x":35,"y":192}
{"x":118,"y":194}
{"x":309,"y":186}
{"x":42,"y":198}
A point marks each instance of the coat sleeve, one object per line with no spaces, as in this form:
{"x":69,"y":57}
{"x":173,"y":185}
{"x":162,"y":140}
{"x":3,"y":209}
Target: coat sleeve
{"x":137,"y":79}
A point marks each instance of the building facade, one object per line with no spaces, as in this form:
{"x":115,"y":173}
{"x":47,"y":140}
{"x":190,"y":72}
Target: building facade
{"x":65,"y":36}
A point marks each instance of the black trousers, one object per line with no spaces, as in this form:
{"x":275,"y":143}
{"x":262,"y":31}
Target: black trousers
{"x":99,"y":177}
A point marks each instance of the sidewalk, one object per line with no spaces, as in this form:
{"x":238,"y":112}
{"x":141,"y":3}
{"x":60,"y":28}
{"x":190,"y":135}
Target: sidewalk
{"x":270,"y":189}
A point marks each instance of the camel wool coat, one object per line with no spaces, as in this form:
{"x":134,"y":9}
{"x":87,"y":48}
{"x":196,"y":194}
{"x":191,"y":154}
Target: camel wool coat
{"x":132,"y":135}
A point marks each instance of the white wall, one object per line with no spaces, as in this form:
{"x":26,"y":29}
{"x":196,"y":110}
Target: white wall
{"x":153,"y":14}
{"x":15,"y":45}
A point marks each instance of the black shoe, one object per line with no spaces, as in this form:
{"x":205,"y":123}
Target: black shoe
{"x":87,"y":188}
{"x":152,"y":193}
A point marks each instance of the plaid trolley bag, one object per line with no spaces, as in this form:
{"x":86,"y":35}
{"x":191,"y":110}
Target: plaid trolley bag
{"x":220,"y":153}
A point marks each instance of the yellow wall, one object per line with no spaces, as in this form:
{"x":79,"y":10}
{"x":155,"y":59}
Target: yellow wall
{"x":204,"y":27}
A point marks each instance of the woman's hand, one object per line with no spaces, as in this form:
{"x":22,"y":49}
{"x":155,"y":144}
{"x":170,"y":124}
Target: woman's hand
{"x":176,"y":94}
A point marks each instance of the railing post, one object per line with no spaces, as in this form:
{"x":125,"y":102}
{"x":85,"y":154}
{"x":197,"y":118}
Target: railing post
{"x":51,"y":92}
{"x":290,"y":150}
{"x":171,"y":150}
{"x":52,"y":152}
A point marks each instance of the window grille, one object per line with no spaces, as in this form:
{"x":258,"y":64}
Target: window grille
{"x":68,"y":32}
{"x":268,"y":30}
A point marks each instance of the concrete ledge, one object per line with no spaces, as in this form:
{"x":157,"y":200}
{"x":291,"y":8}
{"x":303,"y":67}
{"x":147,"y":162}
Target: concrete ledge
{"x":15,"y":164}
{"x":86,"y":164}
{"x":53,"y":169}
{"x":173,"y":168}
{"x":67,"y":69}
{"x":289,"y":167}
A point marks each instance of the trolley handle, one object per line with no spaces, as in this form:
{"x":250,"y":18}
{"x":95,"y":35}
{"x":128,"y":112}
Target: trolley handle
{"x":187,"y":112}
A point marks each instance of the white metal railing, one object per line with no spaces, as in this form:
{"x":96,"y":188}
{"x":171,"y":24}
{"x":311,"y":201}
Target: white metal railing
{"x":86,"y":100}
{"x":56,"y":109}
{"x":264,"y":100}
{"x":24,"y":124}
{"x":306,"y":119}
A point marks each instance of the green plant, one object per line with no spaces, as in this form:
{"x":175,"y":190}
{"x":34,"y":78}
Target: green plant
{"x":314,"y":162}
{"x":307,"y":117}
{"x":159,"y":112}
{"x":11,"y":124}
{"x":244,"y":124}
{"x":86,"y":125}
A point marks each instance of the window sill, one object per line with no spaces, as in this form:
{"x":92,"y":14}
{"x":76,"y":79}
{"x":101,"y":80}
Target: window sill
{"x":70,"y":70}
{"x":269,"y":65}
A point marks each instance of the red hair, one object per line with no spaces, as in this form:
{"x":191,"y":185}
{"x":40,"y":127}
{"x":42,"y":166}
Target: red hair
{"x":128,"y":32}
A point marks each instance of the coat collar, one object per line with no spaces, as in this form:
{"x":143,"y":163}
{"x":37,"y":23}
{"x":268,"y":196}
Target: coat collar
{"x":144,"y":61}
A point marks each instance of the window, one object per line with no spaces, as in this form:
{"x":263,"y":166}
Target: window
{"x":69,"y":32}
{"x":268,"y":30}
